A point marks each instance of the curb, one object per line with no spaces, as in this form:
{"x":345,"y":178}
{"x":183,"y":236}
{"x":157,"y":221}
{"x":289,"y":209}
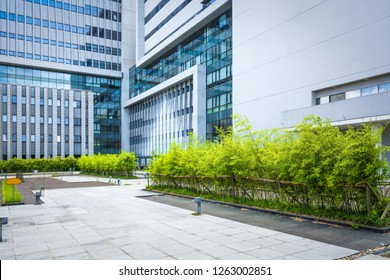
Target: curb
{"x":381,"y":230}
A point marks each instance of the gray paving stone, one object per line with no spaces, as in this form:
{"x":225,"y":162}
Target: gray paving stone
{"x":218,"y":251}
{"x":193,"y":255}
{"x":266,"y":254}
{"x":111,"y":223}
{"x":372,"y":257}
{"x":238,"y":256}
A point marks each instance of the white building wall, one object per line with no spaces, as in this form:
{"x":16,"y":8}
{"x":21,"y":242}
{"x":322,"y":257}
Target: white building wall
{"x":285,"y":50}
{"x":16,"y":142}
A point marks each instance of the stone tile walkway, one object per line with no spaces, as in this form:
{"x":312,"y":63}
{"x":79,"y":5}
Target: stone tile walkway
{"x":112,"y":222}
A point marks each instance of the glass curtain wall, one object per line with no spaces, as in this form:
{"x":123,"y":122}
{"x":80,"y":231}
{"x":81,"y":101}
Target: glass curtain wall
{"x":212,"y":46}
{"x":107,"y":99}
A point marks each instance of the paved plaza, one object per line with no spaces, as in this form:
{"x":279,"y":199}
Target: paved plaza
{"x":114,"y":222}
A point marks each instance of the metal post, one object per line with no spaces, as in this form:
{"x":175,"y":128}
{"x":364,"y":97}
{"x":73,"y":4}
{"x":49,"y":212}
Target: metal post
{"x":38,"y":198}
{"x":198,"y":202}
{"x":3,"y":220}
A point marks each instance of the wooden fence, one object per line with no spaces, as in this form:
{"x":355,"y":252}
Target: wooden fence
{"x":347,"y":198}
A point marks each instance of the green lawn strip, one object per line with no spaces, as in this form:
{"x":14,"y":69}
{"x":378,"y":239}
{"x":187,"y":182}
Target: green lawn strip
{"x":7,"y":194}
{"x":354,"y":219}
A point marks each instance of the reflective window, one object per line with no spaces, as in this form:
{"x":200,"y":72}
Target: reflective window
{"x":369,"y":90}
{"x":12,"y":16}
{"x":384,"y":87}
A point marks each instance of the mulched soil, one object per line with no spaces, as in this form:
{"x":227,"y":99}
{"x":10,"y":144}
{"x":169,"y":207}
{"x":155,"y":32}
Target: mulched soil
{"x":31,"y":184}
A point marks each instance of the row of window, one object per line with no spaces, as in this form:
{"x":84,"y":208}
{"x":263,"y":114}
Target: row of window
{"x":88,"y":9}
{"x":168,"y":18}
{"x":155,"y":10}
{"x":76,"y":138}
{"x":380,"y":88}
{"x":89,"y":62}
{"x":76,"y":121}
{"x":87,"y":47}
{"x":87,"y":30}
{"x":76,"y":103}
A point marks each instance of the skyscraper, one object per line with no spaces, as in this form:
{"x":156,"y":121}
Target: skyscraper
{"x":182,"y":81}
{"x":61,"y":66}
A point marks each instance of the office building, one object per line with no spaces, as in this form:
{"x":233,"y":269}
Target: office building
{"x":182,"y":80}
{"x":197,"y":62}
{"x":61,"y":66}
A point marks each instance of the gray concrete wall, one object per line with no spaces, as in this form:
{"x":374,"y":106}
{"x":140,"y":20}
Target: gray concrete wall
{"x":285,"y":50}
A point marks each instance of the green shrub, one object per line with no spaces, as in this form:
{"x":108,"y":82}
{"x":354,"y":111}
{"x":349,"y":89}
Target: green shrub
{"x":7,"y":194}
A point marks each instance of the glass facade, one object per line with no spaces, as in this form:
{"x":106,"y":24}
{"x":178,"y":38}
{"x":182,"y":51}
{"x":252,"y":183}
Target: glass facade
{"x":212,"y":46}
{"x":107,"y":99}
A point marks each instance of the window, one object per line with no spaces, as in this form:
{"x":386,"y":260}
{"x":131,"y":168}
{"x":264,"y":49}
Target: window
{"x":12,"y":16}
{"x":20,"y":54}
{"x":37,"y":40}
{"x":108,"y":50}
{"x":81,"y":10}
{"x":94,"y":31}
{"x":3,"y":34}
{"x":88,"y":46}
{"x":3,"y":15}
{"x":29,"y":55}
{"x":94,"y":11}
{"x":384,"y":87}
{"x":37,"y":1}
{"x":32,"y":138}
{"x":101,"y":49}
{"x":74,"y":29}
{"x":29,"y":38}
{"x":114,"y":35}
{"x":53,"y":42}
{"x":68,"y":61}
{"x":20,"y":18}
{"x":45,"y":23}
{"x":59,"y":4}
{"x":51,"y":3}
{"x":108,"y":34}
{"x":45,"y":2}
{"x":67,"y":27}
{"x":60,"y":60}
{"x":81,"y":30}
{"x":108,"y":14}
{"x":60,"y":26}
{"x":37,"y":21}
{"x":101,"y":32}
{"x":45,"y":58}
{"x":29,"y":20}
{"x":32,"y":119}
{"x":88,"y":9}
{"x":101,"y":13}
{"x":102,"y":64}
{"x":12,"y":53}
{"x":45,"y":41}
{"x":68,"y":45}
{"x":5,"y":118}
{"x":53,"y":24}
{"x":87,"y":30}
{"x":114,"y":16}
{"x":94,"y":48}
{"x":75,"y":46}
{"x":74,"y":8}
{"x":369,"y":90}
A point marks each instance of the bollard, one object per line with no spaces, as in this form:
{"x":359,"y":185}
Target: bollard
{"x":3,"y":221}
{"x":38,"y":198}
{"x":119,"y":182}
{"x":198,"y":202}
